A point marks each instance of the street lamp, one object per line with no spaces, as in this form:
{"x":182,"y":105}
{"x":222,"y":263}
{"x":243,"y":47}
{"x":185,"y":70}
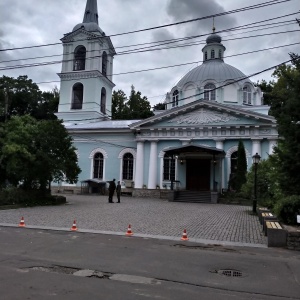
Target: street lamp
{"x":256,"y":159}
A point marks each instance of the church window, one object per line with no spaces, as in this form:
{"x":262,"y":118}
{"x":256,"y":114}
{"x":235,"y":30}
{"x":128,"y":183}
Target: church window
{"x":247,"y":94}
{"x":169,"y":168}
{"x":212,"y":53}
{"x":104,"y":63}
{"x":220,"y":53}
{"x":77,"y":97}
{"x":127,"y":166}
{"x":79,"y":58}
{"x":175,"y":98}
{"x":209,"y":92}
{"x":98,"y":166}
{"x":205,"y":55}
{"x":103,"y":101}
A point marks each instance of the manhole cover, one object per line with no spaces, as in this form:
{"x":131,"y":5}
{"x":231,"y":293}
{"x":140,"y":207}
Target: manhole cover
{"x":230,"y":273}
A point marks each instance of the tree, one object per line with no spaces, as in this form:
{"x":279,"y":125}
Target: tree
{"x":119,"y":107}
{"x":285,"y":107}
{"x":22,"y":96}
{"x":33,"y":156}
{"x":241,"y":171}
{"x":159,"y":106}
{"x":133,"y":108}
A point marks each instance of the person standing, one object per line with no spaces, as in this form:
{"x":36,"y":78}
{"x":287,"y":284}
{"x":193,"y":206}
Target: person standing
{"x":118,"y":191}
{"x":111,"y":190}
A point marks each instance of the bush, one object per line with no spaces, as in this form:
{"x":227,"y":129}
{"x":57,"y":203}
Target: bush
{"x":287,"y":209}
{"x":17,"y":196}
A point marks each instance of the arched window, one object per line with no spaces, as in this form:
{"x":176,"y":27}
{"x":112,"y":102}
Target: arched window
{"x":247,"y":94}
{"x":175,"y":98}
{"x":103,"y":100}
{"x":104,"y":63}
{"x":169,"y":168}
{"x":212,"y":53}
{"x":79,"y":58}
{"x":220,"y":53}
{"x":205,"y":55}
{"x":77,"y":97}
{"x":98,"y":166}
{"x":127,"y":166}
{"x":209,"y":92}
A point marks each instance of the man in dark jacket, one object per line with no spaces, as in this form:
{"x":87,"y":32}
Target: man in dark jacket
{"x":118,"y":191}
{"x":111,"y":190}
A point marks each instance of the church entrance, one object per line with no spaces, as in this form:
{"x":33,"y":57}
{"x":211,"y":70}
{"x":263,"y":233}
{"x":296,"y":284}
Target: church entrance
{"x":198,"y":174}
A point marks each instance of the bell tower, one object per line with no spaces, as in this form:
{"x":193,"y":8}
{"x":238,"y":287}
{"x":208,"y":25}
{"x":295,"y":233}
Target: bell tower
{"x":86,"y":76}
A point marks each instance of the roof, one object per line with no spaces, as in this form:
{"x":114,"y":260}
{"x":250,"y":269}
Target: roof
{"x":215,"y":70}
{"x":109,"y":124}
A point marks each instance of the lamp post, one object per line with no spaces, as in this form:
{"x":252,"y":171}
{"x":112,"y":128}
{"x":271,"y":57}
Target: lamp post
{"x":256,"y":159}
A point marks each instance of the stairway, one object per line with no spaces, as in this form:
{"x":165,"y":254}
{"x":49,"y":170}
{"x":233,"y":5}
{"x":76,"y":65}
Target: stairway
{"x":193,"y":196}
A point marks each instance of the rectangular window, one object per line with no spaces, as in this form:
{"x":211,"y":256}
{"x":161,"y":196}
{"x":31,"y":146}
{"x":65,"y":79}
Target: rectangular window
{"x":169,"y":169}
{"x":128,"y":169}
{"x":98,"y":168}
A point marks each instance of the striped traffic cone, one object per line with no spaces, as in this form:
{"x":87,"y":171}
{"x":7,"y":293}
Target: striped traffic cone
{"x":184,"y":236}
{"x":129,"y":232}
{"x":22,"y":223}
{"x":74,"y":227}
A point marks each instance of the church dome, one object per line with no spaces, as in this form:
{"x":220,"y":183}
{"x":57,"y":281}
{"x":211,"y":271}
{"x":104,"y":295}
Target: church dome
{"x":215,"y":70}
{"x":213,"y":38}
{"x":91,"y":26}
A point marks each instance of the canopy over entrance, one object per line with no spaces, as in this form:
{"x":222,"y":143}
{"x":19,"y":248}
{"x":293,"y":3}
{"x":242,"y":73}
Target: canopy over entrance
{"x":194,"y":150}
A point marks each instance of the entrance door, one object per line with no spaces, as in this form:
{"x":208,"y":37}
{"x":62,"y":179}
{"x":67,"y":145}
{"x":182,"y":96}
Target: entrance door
{"x":198,"y":174}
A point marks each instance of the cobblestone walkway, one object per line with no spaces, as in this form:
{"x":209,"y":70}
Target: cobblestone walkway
{"x":156,"y":217}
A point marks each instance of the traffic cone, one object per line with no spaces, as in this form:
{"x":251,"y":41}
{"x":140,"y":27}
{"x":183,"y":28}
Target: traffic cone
{"x":129,"y":232}
{"x":74,"y":227}
{"x":22,"y":223}
{"x":184,"y":236}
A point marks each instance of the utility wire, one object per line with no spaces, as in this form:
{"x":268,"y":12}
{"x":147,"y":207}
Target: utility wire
{"x":133,"y":52}
{"x":251,"y":7}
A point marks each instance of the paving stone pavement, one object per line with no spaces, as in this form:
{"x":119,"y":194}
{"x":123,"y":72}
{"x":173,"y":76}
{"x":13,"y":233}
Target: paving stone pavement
{"x":213,"y":223}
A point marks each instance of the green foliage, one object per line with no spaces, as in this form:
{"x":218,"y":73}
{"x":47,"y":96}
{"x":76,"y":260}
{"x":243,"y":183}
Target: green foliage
{"x":33,"y":156}
{"x":16,"y":196}
{"x":159,"y":106}
{"x":23,"y":97}
{"x":287,"y":209}
{"x":268,"y":188}
{"x":241,"y":171}
{"x":133,"y":108}
{"x":285,"y":106}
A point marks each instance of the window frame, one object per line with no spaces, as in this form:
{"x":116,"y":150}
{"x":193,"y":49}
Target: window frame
{"x":77,"y":96}
{"x":98,"y":163}
{"x":210,"y":92}
{"x":127,"y":166}
{"x":79,"y":58}
{"x":247,"y":95}
{"x":175,"y":98}
{"x":169,"y":168}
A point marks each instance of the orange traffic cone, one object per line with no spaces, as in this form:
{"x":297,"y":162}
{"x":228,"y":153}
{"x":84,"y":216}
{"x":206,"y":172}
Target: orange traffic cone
{"x":129,"y":232}
{"x":184,"y":236}
{"x":74,"y":227}
{"x":22,"y":223}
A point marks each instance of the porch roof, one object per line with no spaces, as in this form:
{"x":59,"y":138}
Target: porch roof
{"x":195,"y":149}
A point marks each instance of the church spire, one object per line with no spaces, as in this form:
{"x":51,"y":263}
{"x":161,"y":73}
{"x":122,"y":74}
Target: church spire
{"x":91,"y":12}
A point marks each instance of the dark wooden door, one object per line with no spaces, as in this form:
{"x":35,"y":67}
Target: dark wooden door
{"x":198,"y":174}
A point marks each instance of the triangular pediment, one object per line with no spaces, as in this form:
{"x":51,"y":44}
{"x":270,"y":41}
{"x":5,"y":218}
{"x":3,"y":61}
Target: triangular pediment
{"x":204,"y":113}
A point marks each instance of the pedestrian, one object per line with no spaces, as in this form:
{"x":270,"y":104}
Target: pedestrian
{"x":111,"y":190}
{"x":118,"y":191}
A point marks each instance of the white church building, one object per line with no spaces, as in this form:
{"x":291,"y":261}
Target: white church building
{"x":190,"y":146}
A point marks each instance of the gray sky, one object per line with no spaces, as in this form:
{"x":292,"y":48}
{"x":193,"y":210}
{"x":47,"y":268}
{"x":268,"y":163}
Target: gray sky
{"x":34,"y":22}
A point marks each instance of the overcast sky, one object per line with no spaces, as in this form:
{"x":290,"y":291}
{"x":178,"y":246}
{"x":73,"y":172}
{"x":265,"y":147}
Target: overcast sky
{"x":34,"y":22}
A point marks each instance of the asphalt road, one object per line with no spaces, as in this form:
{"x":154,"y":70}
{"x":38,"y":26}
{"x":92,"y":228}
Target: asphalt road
{"x":45,"y":264}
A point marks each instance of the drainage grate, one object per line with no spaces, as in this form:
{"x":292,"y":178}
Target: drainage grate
{"x":230,"y":273}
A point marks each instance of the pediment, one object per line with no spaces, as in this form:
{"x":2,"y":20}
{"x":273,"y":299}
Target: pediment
{"x":79,"y":34}
{"x":204,"y":113}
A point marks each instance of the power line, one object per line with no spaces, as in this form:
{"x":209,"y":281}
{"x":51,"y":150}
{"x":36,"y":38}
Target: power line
{"x":251,"y":7}
{"x":135,"y":51}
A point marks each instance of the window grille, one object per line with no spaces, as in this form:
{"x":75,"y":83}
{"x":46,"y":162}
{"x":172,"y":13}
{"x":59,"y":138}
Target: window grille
{"x":209,"y":92}
{"x":127,"y":166}
{"x":98,"y":166}
{"x":247,"y":95}
{"x":169,"y":168}
{"x":175,"y":98}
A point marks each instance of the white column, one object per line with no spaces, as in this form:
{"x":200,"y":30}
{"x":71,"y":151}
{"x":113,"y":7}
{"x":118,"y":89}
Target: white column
{"x":272,"y":144}
{"x":220,"y":145}
{"x":139,"y":167}
{"x":152,"y":177}
{"x":256,"y":147}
